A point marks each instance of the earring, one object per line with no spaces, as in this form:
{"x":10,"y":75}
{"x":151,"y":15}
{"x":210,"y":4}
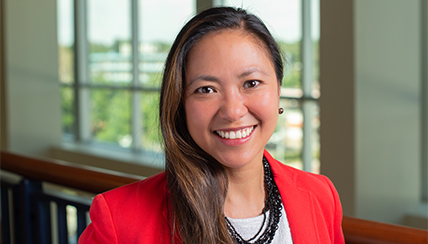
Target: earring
{"x":280,"y":110}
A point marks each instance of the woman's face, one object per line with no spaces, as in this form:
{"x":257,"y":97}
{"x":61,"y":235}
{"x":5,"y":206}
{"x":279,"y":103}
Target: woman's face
{"x":231,"y":97}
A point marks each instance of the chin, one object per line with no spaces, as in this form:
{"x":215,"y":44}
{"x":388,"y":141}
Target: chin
{"x":236,"y":161}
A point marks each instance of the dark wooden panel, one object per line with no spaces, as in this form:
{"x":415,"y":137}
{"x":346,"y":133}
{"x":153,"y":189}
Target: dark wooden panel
{"x":63,"y":173}
{"x":358,"y":231}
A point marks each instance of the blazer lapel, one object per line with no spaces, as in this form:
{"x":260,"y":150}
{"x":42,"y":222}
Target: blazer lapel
{"x":297,"y":203}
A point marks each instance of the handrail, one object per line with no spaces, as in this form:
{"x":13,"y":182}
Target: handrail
{"x":76,"y":176}
{"x":359,"y":231}
{"x":94,"y":180}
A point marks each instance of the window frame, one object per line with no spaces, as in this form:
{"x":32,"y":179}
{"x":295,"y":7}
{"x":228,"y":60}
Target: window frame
{"x":81,"y":85}
{"x":424,"y":101}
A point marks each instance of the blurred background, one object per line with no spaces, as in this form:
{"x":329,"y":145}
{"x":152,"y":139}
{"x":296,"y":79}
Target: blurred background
{"x":80,"y":82}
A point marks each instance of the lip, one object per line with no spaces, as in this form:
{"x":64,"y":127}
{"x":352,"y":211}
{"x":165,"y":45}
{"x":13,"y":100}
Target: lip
{"x":236,"y":141}
{"x":236,"y":128}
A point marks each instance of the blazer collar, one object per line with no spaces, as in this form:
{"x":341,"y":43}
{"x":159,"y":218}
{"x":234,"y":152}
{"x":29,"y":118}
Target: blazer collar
{"x":297,"y":202}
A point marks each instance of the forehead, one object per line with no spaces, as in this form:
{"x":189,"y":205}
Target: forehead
{"x":228,"y":39}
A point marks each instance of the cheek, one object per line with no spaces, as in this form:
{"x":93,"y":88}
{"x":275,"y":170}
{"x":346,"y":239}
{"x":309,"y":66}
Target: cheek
{"x":190,"y":114}
{"x":197,"y":115}
{"x":268,"y":102}
{"x":266,"y":107}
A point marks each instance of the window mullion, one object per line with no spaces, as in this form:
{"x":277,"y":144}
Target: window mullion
{"x":136,"y":121}
{"x":202,"y":5}
{"x":307,"y":77}
{"x":82,"y":94}
{"x":424,"y":100}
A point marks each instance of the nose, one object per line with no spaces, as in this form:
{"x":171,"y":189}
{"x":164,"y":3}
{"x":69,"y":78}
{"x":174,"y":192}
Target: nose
{"x":233,"y":107}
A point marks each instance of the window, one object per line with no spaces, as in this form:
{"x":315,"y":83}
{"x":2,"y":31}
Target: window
{"x":295,"y":25}
{"x":111,"y":60}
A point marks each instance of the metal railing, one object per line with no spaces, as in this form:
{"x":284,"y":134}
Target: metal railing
{"x":26,"y":211}
{"x":31,"y":213}
{"x":34,"y":215}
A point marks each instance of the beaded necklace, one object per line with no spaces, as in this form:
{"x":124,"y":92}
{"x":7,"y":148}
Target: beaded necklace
{"x":273,"y":203}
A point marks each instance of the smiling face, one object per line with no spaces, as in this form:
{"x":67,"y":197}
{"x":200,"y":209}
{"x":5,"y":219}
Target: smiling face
{"x":231,"y":97}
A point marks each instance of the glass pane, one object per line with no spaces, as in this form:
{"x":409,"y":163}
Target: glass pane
{"x":315,"y":137}
{"x":65,"y":40}
{"x":71,"y":223}
{"x":109,"y":37}
{"x":284,"y":20}
{"x":315,"y":15}
{"x":149,"y":122}
{"x":67,"y":104}
{"x":155,"y":15}
{"x":286,"y":142}
{"x":110,"y":117}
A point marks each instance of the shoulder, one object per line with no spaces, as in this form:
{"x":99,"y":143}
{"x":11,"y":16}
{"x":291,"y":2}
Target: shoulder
{"x":143,"y":198}
{"x":147,"y":193}
{"x":150,"y":187}
{"x":309,"y":198}
{"x":136,"y":211}
{"x":287,"y":176}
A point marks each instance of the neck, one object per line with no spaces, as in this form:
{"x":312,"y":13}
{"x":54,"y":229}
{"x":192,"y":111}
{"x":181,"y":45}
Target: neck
{"x":246,"y":192}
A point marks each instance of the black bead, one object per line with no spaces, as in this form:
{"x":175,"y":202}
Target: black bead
{"x":273,"y":204}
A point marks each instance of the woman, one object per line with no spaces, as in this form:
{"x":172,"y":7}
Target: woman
{"x":219,"y":106}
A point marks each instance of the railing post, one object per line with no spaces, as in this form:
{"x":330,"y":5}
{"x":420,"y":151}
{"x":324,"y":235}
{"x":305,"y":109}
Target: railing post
{"x":25,"y":211}
{"x":81,"y":220}
{"x":44,"y":228}
{"x":62,"y":223}
{"x":5,"y":215}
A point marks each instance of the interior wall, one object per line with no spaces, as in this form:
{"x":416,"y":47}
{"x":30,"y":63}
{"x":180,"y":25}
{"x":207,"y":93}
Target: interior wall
{"x":370,"y":105}
{"x":424,"y":100}
{"x":3,"y":125}
{"x":388,"y":55}
{"x":337,"y":130}
{"x":32,"y":87}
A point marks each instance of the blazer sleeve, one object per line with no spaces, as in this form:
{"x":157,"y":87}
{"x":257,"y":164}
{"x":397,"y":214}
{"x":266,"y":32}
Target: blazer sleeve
{"x":101,"y":229}
{"x":337,"y":236}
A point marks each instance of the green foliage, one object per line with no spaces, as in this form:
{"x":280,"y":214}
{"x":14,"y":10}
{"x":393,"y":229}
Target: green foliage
{"x":155,"y":79}
{"x":66,"y":64}
{"x":100,"y":48}
{"x":111,"y":113}
{"x":150,"y":121}
{"x":67,"y":105}
{"x":292,"y":75}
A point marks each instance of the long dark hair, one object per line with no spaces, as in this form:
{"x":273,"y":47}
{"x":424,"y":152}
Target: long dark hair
{"x":197,"y":183}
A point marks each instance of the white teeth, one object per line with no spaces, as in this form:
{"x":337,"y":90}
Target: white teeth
{"x":235,"y":134}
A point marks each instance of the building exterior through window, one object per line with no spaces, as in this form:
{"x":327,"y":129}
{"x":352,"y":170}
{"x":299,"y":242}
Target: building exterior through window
{"x":112,"y":55}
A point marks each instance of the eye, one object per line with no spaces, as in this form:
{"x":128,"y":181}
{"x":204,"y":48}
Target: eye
{"x":205,"y":89}
{"x":251,"y":83}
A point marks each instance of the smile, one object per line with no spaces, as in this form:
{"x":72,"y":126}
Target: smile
{"x":235,"y":134}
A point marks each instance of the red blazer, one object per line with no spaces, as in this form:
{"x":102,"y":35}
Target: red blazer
{"x":137,"y":213}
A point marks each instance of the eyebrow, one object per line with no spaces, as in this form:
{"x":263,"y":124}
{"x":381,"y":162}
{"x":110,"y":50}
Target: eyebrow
{"x":204,"y":77}
{"x":250,"y":71}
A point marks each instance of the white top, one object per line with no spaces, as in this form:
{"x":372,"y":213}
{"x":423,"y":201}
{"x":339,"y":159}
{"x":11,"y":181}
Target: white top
{"x":248,"y":227}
